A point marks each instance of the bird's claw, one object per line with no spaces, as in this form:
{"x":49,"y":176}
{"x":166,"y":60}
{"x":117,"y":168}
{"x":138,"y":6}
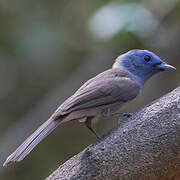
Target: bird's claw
{"x":122,"y":116}
{"x":127,"y":115}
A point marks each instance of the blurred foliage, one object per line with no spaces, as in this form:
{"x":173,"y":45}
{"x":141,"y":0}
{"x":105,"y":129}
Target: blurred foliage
{"x":43,"y":44}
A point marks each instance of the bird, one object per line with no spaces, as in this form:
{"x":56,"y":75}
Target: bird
{"x":102,"y":95}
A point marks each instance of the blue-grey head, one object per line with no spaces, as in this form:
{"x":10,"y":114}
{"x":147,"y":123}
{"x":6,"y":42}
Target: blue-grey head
{"x":141,"y":64}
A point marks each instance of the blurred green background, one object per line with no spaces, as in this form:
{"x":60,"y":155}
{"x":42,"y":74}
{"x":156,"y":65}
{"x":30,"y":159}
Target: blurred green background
{"x":49,"y":48}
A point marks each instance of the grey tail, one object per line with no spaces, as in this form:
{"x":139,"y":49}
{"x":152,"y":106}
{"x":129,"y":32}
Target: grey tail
{"x":28,"y":145}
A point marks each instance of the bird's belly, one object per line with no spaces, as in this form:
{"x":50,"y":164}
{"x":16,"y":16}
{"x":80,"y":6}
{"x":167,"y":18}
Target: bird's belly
{"x":111,"y":109}
{"x":105,"y":110}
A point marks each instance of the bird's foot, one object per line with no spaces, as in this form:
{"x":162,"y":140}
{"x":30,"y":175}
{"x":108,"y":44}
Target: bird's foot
{"x":126,"y":115}
{"x":122,"y":116}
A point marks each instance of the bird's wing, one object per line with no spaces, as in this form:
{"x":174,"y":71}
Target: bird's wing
{"x":102,"y":91}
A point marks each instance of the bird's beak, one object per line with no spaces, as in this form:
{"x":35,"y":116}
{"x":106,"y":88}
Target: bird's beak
{"x":165,"y":67}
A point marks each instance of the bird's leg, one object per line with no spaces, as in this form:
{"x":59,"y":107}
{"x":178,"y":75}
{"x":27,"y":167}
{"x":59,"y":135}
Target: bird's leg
{"x":122,"y":116}
{"x":88,"y":125}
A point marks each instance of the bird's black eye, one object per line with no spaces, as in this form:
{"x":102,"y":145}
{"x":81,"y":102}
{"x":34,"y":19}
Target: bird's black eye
{"x":147,"y":58}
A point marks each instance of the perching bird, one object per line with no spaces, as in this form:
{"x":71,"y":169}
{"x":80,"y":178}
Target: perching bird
{"x":102,"y":95}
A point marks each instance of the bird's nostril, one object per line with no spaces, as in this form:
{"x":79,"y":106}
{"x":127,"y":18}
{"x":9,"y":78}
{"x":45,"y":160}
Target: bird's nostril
{"x":154,"y":65}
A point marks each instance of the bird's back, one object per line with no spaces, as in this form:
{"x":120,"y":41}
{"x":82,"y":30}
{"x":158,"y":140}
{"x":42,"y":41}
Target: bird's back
{"x":108,"y":89}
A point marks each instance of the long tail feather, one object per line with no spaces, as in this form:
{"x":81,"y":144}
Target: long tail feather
{"x":28,"y":145}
